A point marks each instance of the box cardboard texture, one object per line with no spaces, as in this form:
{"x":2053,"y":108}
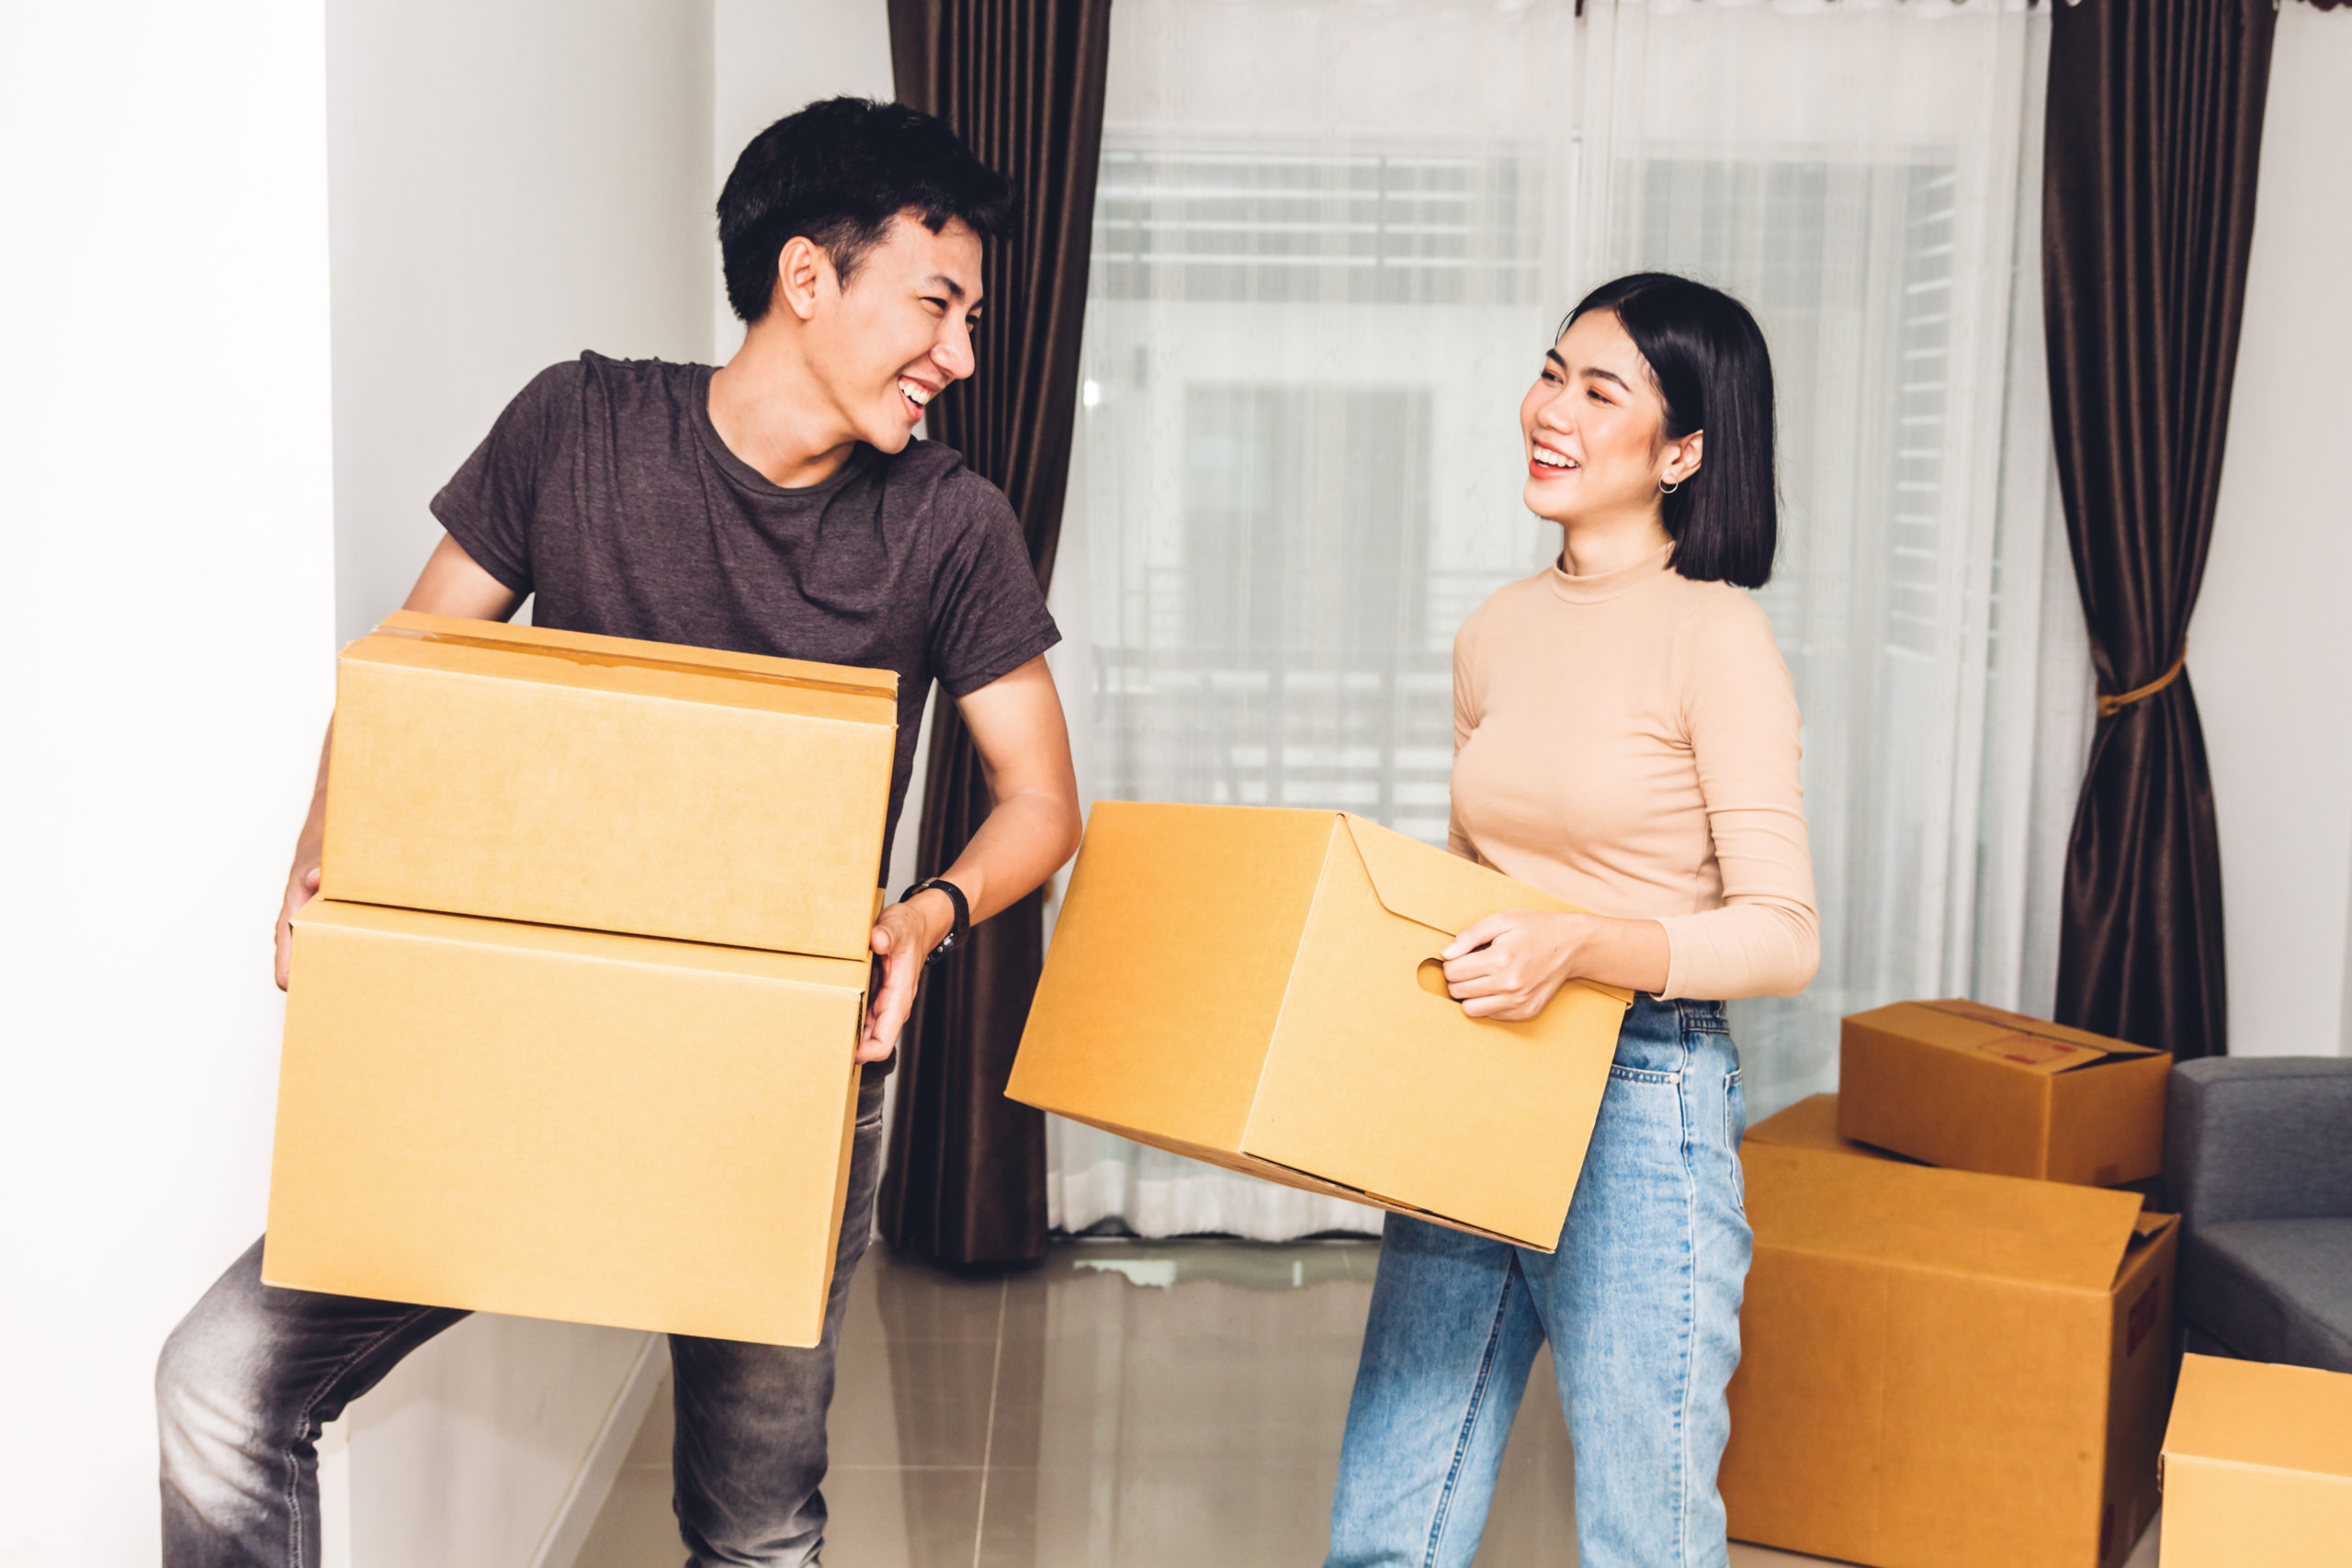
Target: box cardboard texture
{"x":2257,"y":1467}
{"x":1940,"y":1367}
{"x":1258,"y":989}
{"x":518,"y":773}
{"x":1959,"y":1084}
{"x":563,"y":1123}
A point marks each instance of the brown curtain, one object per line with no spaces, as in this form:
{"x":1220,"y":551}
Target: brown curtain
{"x":2155,"y":125}
{"x":1021,"y":81}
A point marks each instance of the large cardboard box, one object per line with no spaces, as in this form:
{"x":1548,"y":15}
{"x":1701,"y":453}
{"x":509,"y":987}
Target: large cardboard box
{"x":2257,"y":1467}
{"x":1960,"y":1084}
{"x":1259,"y":988}
{"x":562,"y":1123}
{"x":523,"y":774}
{"x":1940,"y":1368}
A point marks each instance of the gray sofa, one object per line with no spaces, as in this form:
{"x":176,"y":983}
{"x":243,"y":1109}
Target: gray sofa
{"x":2259,"y":1162}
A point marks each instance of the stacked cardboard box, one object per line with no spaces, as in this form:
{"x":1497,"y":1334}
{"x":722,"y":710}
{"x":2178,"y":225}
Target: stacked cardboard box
{"x":1260,"y":989}
{"x":1942,"y":1367}
{"x":1965,"y":1360}
{"x":1960,"y":1084}
{"x":572,"y":1026}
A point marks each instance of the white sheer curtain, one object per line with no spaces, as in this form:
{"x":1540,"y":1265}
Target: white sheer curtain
{"x":1332,"y":241}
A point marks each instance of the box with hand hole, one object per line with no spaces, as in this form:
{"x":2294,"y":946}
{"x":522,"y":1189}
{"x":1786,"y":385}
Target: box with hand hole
{"x":1259,"y":988}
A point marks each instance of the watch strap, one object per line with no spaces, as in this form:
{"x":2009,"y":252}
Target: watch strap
{"x":957,"y":932}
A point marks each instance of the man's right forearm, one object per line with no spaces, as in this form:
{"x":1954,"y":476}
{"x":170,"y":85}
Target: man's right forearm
{"x":302,"y":876}
{"x":312,"y":838}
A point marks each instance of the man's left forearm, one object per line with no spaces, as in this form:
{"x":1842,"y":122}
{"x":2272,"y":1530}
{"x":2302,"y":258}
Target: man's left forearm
{"x":1023,"y":841}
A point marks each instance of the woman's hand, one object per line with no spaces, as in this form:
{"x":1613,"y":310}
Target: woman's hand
{"x":1508,"y":965}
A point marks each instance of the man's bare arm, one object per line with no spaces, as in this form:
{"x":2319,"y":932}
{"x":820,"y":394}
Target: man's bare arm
{"x":1023,"y":742}
{"x":452,"y":583}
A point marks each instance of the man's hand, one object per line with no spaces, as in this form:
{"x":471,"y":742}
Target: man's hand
{"x":302,"y":887}
{"x":903,"y":936}
{"x":1016,"y":726}
{"x":1510,"y":965}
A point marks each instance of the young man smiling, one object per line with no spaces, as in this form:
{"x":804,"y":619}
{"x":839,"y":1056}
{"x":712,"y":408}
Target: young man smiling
{"x":777,"y":504}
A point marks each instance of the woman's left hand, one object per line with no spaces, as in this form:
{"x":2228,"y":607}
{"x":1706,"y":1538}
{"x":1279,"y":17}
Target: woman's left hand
{"x":1508,"y":965}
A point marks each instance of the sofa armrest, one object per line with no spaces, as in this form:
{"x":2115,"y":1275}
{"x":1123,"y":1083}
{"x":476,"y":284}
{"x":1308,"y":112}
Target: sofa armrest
{"x":2259,"y":1138}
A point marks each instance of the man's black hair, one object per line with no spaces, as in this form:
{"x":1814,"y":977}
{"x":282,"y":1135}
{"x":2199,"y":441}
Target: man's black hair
{"x":1708,"y":361}
{"x":835,"y":174}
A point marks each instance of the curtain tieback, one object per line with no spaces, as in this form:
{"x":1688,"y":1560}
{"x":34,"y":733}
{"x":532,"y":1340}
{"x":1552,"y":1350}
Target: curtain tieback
{"x":2109,"y":706}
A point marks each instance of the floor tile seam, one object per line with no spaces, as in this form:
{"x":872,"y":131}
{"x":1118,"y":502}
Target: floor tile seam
{"x":896,"y":1468}
{"x":988,"y":1442}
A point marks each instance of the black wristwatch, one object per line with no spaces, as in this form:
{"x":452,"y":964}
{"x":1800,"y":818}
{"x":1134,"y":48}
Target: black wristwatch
{"x":963,"y":926}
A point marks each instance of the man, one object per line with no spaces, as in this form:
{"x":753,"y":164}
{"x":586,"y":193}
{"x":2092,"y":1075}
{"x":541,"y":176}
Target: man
{"x":778,"y":505}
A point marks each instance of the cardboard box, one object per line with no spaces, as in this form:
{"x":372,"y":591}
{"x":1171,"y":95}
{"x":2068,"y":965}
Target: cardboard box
{"x":562,"y":1123}
{"x":1259,"y":988}
{"x":523,"y":774}
{"x":1959,"y":1084}
{"x":2257,"y":1467}
{"x":1940,"y":1367}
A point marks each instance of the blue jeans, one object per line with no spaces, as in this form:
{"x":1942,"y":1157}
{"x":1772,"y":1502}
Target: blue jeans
{"x":250,"y":1376}
{"x":1640,"y":1302}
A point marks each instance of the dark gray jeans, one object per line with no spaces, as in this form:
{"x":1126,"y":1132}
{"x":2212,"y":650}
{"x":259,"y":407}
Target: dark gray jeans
{"x":249,"y":1377}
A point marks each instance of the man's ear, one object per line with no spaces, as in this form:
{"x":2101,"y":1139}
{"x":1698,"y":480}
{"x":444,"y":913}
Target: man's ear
{"x":803,"y":272}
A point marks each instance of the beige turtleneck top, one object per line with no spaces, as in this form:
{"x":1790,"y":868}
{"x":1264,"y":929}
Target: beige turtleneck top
{"x":1628,"y":741}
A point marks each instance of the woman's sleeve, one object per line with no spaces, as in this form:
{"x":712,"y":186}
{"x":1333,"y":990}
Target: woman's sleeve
{"x":1741,"y":710}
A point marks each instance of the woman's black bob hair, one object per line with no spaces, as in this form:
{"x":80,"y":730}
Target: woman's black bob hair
{"x":1707,"y":358}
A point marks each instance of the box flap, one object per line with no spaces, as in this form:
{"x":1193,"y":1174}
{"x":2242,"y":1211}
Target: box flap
{"x":1921,"y":1216}
{"x":2263,"y":1415}
{"x":1444,"y":891}
{"x":2033,"y":1044}
{"x":590,"y":647}
{"x":1812,"y":1123}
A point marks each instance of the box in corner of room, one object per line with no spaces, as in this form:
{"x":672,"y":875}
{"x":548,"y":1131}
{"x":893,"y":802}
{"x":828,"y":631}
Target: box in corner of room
{"x":1957,"y":1083}
{"x":1943,"y":1366}
{"x":2257,"y":1466}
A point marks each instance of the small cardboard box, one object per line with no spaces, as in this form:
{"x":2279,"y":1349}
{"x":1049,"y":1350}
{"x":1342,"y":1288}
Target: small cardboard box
{"x":523,"y":774}
{"x":1940,"y":1367}
{"x":1959,"y":1084}
{"x":2257,"y":1467}
{"x":562,"y":1123}
{"x":1259,"y":988}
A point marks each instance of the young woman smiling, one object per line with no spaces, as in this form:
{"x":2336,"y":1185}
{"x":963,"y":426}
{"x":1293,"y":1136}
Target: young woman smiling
{"x":1625,"y":737}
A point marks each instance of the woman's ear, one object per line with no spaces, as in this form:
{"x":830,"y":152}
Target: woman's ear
{"x":1684,"y":457}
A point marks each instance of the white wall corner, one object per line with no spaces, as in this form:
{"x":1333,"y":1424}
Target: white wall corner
{"x":2271,"y":648}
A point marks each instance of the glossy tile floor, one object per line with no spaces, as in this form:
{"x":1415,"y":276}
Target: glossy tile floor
{"x":1130,"y":1404}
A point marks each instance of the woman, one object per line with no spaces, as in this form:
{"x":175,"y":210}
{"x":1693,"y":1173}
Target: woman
{"x":1625,"y":737}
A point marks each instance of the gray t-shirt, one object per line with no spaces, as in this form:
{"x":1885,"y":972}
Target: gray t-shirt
{"x":604,"y":490}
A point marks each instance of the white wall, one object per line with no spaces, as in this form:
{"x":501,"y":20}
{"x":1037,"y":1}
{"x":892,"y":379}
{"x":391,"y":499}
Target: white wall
{"x":508,"y":185}
{"x":2271,"y":648}
{"x":771,"y":57}
{"x":511,"y":183}
{"x":163,"y":428}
